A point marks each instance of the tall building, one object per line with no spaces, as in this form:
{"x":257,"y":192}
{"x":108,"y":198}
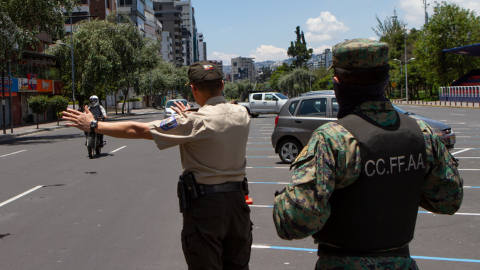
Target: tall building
{"x":219,"y":64}
{"x":167,"y":47}
{"x":189,"y":23}
{"x":170,"y":17}
{"x":325,"y":58}
{"x":202,"y":48}
{"x":91,"y":8}
{"x":243,"y":69}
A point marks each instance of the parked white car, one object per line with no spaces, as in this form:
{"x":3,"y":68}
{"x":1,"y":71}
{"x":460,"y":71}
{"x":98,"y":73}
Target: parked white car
{"x":263,"y":103}
{"x":168,"y":111}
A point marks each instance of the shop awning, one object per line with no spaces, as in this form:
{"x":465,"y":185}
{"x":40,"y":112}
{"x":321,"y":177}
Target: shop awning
{"x":470,"y":50}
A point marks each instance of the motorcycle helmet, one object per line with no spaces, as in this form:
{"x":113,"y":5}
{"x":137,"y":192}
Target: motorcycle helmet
{"x":93,"y":101}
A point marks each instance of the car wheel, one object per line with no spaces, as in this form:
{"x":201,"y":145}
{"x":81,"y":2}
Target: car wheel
{"x":289,"y":150}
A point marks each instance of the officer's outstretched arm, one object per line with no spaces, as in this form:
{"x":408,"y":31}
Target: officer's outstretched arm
{"x":127,"y":130}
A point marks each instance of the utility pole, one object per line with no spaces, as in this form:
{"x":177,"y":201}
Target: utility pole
{"x":3,"y":97}
{"x":406,"y":80}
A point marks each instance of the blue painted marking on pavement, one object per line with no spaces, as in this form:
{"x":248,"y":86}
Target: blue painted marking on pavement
{"x":415,"y":257}
{"x":445,"y":259}
{"x":273,"y":183}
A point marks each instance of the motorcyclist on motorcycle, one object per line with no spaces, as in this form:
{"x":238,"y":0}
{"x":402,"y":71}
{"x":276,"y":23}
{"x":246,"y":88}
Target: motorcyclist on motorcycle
{"x":98,"y":111}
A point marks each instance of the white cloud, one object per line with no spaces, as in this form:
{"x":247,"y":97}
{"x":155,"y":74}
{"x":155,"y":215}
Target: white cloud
{"x":415,"y":12}
{"x":323,"y":28}
{"x":225,"y":57}
{"x":269,"y":52}
{"x":320,"y":49}
{"x":374,"y":38}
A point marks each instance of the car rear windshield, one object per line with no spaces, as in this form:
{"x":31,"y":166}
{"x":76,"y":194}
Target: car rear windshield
{"x":315,"y":107}
{"x":280,"y":96}
{"x":170,"y":103}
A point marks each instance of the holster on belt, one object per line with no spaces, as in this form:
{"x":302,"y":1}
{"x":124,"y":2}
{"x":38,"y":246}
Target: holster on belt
{"x":187,"y":190}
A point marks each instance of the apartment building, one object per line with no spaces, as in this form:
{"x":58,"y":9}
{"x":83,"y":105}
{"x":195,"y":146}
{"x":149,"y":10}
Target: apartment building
{"x":170,"y":17}
{"x":202,"y":48}
{"x":243,"y":68}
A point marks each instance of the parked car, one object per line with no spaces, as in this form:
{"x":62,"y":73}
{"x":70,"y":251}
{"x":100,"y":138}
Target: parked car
{"x":302,"y":115}
{"x":262,"y":103}
{"x":168,"y":111}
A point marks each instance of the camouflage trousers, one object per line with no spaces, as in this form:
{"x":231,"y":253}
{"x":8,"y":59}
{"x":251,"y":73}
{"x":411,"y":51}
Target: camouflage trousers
{"x":365,"y":263}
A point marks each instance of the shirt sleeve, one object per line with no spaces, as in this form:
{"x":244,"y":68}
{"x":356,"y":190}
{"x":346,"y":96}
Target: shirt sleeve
{"x":443,"y":187}
{"x":176,"y":130}
{"x":303,"y":208}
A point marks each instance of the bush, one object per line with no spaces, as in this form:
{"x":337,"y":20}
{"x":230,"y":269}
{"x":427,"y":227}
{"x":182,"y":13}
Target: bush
{"x":39,"y":104}
{"x":59,"y":104}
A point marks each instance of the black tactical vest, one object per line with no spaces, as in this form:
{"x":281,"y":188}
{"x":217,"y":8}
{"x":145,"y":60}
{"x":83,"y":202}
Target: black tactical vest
{"x":379,"y":210}
{"x":96,"y":111}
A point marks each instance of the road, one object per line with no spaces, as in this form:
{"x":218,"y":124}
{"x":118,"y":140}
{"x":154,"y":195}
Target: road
{"x":120,"y":210}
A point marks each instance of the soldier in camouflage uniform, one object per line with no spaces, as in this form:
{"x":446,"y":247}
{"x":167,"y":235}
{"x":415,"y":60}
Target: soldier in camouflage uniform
{"x":358,"y":183}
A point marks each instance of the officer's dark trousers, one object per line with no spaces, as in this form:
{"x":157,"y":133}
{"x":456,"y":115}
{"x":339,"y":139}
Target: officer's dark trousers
{"x":217,"y":232}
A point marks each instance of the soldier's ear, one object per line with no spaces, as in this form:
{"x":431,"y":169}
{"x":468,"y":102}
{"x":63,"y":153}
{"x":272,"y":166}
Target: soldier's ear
{"x":335,"y":79}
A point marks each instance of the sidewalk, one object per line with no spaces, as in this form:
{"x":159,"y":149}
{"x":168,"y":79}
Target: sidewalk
{"x":26,"y":129}
{"x":438,"y":103}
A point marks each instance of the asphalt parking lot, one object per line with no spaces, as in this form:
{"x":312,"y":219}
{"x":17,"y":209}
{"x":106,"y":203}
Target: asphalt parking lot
{"x":441,"y":242}
{"x":61,"y":210}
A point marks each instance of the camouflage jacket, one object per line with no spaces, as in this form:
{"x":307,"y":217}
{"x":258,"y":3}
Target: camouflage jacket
{"x":331,"y":160}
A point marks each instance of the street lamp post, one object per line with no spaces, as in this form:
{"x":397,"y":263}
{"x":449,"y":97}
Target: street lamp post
{"x":401,"y":91}
{"x":406,"y":75}
{"x":71,"y":50}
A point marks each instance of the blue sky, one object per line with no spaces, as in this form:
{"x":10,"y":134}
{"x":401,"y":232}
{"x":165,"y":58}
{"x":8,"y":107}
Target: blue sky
{"x":263,"y":29}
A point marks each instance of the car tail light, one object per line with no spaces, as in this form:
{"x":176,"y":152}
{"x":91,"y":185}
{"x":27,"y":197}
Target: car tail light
{"x":447,"y":131}
{"x":276,"y":121}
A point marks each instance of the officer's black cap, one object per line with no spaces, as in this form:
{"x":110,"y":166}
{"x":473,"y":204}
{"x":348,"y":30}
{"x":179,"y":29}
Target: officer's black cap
{"x":199,"y":70}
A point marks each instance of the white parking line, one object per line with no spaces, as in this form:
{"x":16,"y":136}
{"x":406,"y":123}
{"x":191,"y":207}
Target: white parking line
{"x":13,"y":153}
{"x":468,"y":157}
{"x":469,"y":169}
{"x":20,"y":195}
{"x":462,"y":151}
{"x":118,"y":149}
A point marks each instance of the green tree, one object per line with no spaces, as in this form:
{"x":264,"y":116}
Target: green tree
{"x":230,"y":90}
{"x":21,"y":21}
{"x":448,"y":28}
{"x":298,"y":49}
{"x":39,"y":104}
{"x":59,"y":104}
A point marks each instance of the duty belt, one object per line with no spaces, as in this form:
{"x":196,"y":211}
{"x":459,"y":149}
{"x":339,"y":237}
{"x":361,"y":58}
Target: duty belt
{"x":325,"y":250}
{"x":220,"y":188}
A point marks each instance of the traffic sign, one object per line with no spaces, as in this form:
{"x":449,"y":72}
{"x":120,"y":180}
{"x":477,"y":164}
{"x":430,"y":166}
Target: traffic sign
{"x":394,"y":84}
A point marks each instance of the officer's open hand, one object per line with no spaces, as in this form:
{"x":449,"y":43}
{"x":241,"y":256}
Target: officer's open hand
{"x":79,"y":120}
{"x":180,"y":107}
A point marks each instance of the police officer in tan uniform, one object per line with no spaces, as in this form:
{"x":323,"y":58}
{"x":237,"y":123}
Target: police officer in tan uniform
{"x":217,"y":231}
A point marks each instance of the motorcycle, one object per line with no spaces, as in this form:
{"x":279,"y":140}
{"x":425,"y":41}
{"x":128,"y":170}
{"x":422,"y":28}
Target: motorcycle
{"x":93,"y":141}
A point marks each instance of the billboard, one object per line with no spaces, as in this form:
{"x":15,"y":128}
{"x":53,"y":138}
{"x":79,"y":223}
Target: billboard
{"x":9,"y":83}
{"x":23,"y":85}
{"x":32,"y":82}
{"x":45,"y":86}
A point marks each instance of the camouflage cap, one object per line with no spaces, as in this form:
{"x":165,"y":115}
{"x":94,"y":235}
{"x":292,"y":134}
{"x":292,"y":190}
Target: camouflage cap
{"x":197,"y":71}
{"x":360,"y":53}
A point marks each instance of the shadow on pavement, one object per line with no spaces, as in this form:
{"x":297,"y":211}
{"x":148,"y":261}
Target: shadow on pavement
{"x":39,"y":139}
